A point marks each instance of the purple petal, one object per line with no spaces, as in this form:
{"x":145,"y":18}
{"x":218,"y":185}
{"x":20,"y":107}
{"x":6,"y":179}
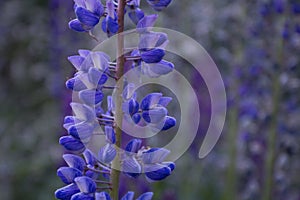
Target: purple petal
{"x":107,"y":153}
{"x":68,"y":174}
{"x":136,"y":118}
{"x":164,"y":101}
{"x":133,"y":145}
{"x":134,"y":3}
{"x":70,"y":121}
{"x":146,"y":22}
{"x":84,"y":52}
{"x":86,"y":17}
{"x":75,"y":84}
{"x":161,"y":68}
{"x":66,"y":192}
{"x":153,"y":55}
{"x":100,"y":60}
{"x":136,"y":15}
{"x":150,"y":100}
{"x":110,"y":134}
{"x":155,"y":115}
{"x":97,"y":77}
{"x":155,"y":155}
{"x":128,"y":196}
{"x":83,"y":112}
{"x":92,"y":174}
{"x":131,"y":167}
{"x":95,"y":7}
{"x":80,"y":3}
{"x":169,"y":123}
{"x":110,"y":104}
{"x":76,"y":25}
{"x":85,"y":184}
{"x":150,"y":40}
{"x":89,"y":157}
{"x":72,"y":144}
{"x":82,"y":131}
{"x":133,"y":107}
{"x":145,"y":196}
{"x":110,"y":8}
{"x":91,"y":97}
{"x":112,"y":25}
{"x":102,"y":196}
{"x":156,"y":172}
{"x":82,"y":196}
{"x":171,"y":165}
{"x":158,"y":5}
{"x":128,"y":92}
{"x":76,"y":61}
{"x":74,"y":161}
{"x":296,"y":7}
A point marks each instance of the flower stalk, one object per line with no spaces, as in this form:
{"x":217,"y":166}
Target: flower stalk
{"x":270,"y":156}
{"x":115,"y":175}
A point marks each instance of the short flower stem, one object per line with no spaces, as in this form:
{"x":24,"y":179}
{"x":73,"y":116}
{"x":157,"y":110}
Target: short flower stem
{"x":115,"y":176}
{"x":102,"y":182}
{"x":98,"y":171}
{"x":103,"y":188}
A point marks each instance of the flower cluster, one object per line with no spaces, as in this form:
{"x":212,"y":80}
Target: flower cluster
{"x":150,"y":112}
{"x":82,"y":178}
{"x":137,"y":160}
{"x":88,"y":174}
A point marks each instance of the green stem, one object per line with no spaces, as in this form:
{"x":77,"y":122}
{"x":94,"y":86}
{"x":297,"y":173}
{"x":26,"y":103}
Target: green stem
{"x":271,"y":142}
{"x":232,"y":138}
{"x":115,"y":175}
{"x":270,"y":156}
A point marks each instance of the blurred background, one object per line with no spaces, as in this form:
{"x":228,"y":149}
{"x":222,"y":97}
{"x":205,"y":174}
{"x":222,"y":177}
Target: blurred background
{"x":255,"y":44}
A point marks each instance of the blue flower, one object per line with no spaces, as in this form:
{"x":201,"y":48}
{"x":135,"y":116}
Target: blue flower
{"x":66,"y":192}
{"x":145,"y":23}
{"x":151,"y":110}
{"x":68,"y":174}
{"x":278,"y":5}
{"x":107,"y":153}
{"x":159,"y":5}
{"x":88,"y":13}
{"x":145,"y":196}
{"x":296,"y":7}
{"x":92,"y":74}
{"x":157,"y":172}
{"x":81,"y":131}
{"x":110,"y":23}
{"x":102,"y":196}
{"x":71,"y":144}
{"x":82,"y":196}
{"x":85,"y":184}
{"x":136,"y":15}
{"x":131,"y":166}
{"x":155,"y":70}
{"x":130,"y":195}
{"x":133,"y":146}
{"x":110,"y":134}
{"x":74,"y":161}
{"x":85,"y":171}
{"x":89,"y":157}
{"x":151,"y":50}
{"x":149,"y":161}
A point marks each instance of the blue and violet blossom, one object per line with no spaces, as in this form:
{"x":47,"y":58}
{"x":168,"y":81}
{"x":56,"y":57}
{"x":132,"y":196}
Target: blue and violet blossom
{"x":87,"y":174}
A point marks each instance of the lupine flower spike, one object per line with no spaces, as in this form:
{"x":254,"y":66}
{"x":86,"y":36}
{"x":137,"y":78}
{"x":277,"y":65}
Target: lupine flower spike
{"x":87,"y":174}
